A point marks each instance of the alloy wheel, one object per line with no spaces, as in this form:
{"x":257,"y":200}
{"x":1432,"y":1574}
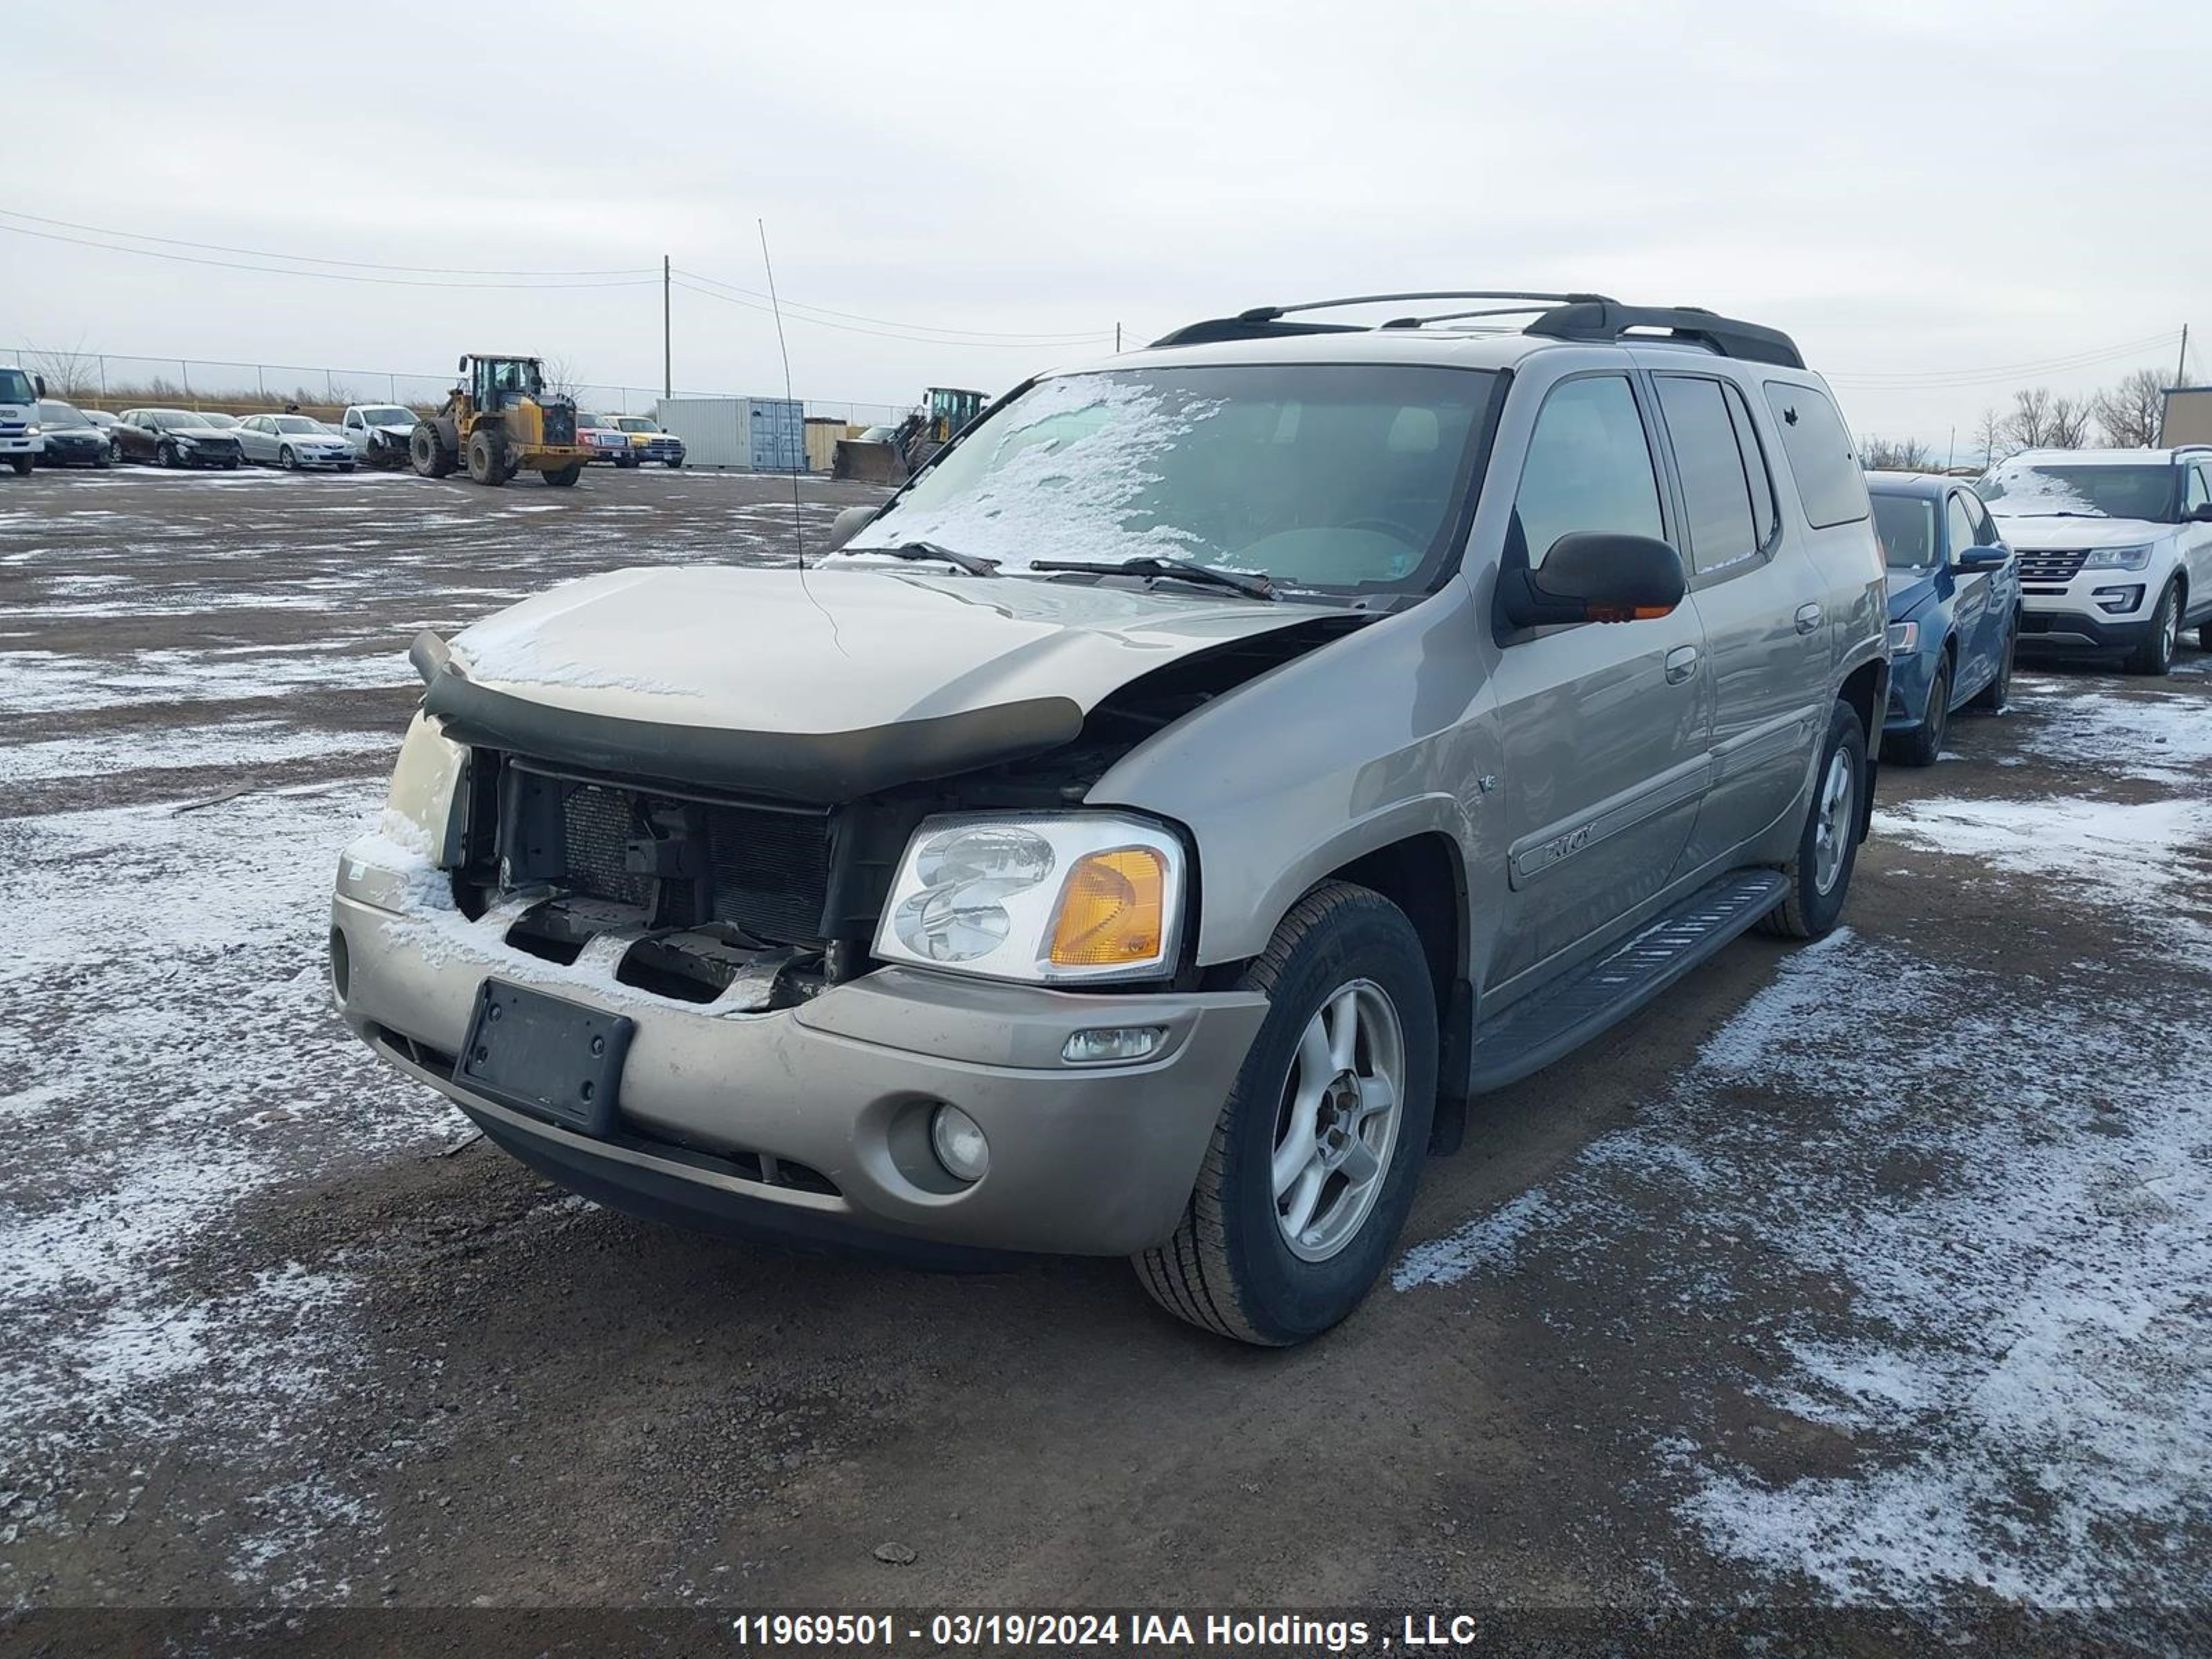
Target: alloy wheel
{"x":1338,"y":1122}
{"x":1831,"y":825}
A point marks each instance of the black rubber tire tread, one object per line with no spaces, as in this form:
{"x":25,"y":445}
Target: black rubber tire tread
{"x":1793,"y":917}
{"x":1924,"y":745}
{"x":1191,"y":1275}
{"x":1997,"y":697}
{"x":2144,"y":659}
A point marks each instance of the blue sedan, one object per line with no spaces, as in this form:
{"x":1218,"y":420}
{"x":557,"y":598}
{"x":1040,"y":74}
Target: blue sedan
{"x":1953,"y":608}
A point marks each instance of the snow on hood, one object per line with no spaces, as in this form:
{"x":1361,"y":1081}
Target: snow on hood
{"x":2033,"y":532}
{"x":837,"y":649}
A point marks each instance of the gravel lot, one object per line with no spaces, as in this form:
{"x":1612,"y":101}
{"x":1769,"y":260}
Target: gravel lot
{"x":1869,"y":1273}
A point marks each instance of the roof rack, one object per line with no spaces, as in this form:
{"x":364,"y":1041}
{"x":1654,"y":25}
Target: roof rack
{"x":1582,"y":317}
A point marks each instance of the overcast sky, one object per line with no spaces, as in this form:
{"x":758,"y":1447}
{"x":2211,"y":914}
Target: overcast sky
{"x":1940,"y":201}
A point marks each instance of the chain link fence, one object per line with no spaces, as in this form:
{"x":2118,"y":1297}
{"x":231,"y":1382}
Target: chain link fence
{"x":94,"y":379}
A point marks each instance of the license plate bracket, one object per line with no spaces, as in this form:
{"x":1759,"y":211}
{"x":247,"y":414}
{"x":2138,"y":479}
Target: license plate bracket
{"x":545,"y":1055}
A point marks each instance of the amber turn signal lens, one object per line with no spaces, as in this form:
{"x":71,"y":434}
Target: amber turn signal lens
{"x":1112,"y":910}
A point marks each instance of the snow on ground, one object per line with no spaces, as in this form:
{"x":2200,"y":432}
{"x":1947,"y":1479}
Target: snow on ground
{"x":2005,"y":1316}
{"x":2159,"y":735}
{"x":168,"y":1005}
{"x":242,"y":743}
{"x":50,"y":682}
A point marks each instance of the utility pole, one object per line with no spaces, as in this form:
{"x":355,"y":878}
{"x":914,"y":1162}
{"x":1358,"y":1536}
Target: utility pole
{"x":667,"y":353}
{"x":2181,"y":367}
{"x":1951,"y":455}
{"x":1117,"y":339}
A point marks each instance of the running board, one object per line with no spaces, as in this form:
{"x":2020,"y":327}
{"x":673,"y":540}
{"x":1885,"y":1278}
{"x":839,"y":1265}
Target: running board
{"x":1558,"y":1018}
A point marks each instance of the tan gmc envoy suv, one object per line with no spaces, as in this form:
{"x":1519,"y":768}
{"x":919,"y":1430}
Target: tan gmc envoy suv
{"x":1144,"y":834}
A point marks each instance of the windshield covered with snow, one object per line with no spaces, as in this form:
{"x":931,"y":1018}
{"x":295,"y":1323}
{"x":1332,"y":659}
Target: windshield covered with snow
{"x":2052,"y":489}
{"x":388,"y":415}
{"x":1906,"y":525}
{"x":1322,"y":475}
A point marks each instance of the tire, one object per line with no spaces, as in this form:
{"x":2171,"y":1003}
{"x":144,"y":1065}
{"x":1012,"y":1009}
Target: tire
{"x":1997,"y":697}
{"x":287,"y":460}
{"x":2204,"y":637}
{"x":428,"y":454}
{"x":164,"y":455}
{"x":232,"y":464}
{"x":1924,"y":745}
{"x":1231,"y":1267}
{"x":487,"y":459}
{"x":678,"y":466}
{"x":22,"y":464}
{"x":562,"y":477}
{"x":1811,"y":910}
{"x":2155,"y":654}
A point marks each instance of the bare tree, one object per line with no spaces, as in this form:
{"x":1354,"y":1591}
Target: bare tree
{"x":2028,"y":425}
{"x":2070,"y":421}
{"x":71,"y":374}
{"x":2131,"y":411}
{"x":564,"y":379}
{"x":1990,"y":436}
{"x":1898,"y":455}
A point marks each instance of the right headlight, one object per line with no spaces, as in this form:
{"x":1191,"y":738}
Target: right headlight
{"x":1054,"y":898}
{"x":2118,"y":558}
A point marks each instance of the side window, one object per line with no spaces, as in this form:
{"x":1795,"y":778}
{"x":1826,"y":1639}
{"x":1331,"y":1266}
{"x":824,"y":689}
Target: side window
{"x":1765,"y":512}
{"x":1986,"y":529}
{"x":1959,"y":523}
{"x":353,"y":417}
{"x":1820,"y":454}
{"x":1716,"y":489}
{"x":1588,"y":466}
{"x":2199,"y":491}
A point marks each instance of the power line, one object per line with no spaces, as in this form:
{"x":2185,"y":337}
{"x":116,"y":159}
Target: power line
{"x":1936,"y":380}
{"x":313,"y":259}
{"x":324,"y":276}
{"x":884,"y":322}
{"x":884,"y":334}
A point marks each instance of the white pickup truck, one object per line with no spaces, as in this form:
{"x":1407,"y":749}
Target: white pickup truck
{"x":19,"y":442}
{"x":379,"y":432}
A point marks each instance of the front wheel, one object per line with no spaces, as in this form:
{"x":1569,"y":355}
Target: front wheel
{"x":287,"y":460}
{"x":1315,"y":1157}
{"x":22,"y":464}
{"x":2155,"y":654}
{"x":1828,"y":850}
{"x":166,"y":455}
{"x":562,"y":477}
{"x":1924,"y":745}
{"x":427,"y":452}
{"x":678,"y":466}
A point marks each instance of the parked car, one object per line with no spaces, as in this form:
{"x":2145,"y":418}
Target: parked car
{"x":650,"y":441}
{"x":378,"y":433}
{"x":293,"y":441}
{"x":19,"y":442}
{"x":607,"y":440}
{"x":100,"y":417}
{"x":70,"y":439}
{"x":221,"y":421}
{"x":1953,"y":608}
{"x":2115,"y":547}
{"x":173,"y":437}
{"x":1147,"y":830}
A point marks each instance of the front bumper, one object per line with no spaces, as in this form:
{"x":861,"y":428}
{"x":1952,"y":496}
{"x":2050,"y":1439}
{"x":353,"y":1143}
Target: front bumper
{"x":344,"y":463}
{"x":2079,"y":632}
{"x":58,"y":453}
{"x":1083,"y":1160}
{"x":17,"y":446}
{"x":1910,"y":679}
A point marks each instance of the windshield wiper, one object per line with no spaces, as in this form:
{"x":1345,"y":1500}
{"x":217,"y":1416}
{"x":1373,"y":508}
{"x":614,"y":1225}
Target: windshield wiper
{"x":964,"y":561}
{"x":1205,"y":575}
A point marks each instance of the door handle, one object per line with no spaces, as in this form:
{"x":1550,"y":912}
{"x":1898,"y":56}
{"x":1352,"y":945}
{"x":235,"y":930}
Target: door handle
{"x":1681,"y":663}
{"x":1808,"y":618}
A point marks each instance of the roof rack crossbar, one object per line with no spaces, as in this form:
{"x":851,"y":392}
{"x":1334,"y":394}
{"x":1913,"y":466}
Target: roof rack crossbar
{"x":1461,"y":316}
{"x":1610,"y":321}
{"x":1269,"y":313}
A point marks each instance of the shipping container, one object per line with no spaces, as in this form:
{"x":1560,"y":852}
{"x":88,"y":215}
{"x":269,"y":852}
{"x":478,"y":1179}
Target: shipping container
{"x":2188,"y":415}
{"x":761,"y":435}
{"x":821,"y":436}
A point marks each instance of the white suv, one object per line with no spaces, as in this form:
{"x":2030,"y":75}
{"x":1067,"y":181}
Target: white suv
{"x":2115,"y":547}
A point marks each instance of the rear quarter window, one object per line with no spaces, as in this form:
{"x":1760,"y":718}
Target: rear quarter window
{"x":1820,"y":454}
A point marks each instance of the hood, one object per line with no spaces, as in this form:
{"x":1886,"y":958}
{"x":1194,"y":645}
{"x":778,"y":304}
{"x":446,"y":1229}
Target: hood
{"x":201,"y":434}
{"x":822,"y":684}
{"x":1908,"y":589}
{"x":2041,"y":532}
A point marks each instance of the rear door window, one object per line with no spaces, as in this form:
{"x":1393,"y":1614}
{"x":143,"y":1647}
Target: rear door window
{"x":1588,"y":467}
{"x":1716,"y":492}
{"x":1820,"y":454}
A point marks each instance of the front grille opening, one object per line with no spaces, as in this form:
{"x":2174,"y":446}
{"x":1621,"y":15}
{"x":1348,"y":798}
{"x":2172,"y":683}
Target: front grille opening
{"x":418,"y":1053}
{"x":544,"y":946}
{"x":651,"y":965}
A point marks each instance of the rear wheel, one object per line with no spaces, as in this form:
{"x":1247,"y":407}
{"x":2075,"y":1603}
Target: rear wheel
{"x":1828,"y":850}
{"x":1314,"y":1159}
{"x":428,"y":451}
{"x":1924,"y":743}
{"x":2155,"y":654}
{"x":562,"y":477}
{"x":1997,"y":697}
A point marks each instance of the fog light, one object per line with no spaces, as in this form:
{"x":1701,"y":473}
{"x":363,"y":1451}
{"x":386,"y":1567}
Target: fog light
{"x":2116,"y":599}
{"x":1103,"y":1044}
{"x":957,"y":1141}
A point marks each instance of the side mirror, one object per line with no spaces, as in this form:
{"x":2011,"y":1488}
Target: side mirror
{"x":2200,"y":514}
{"x":1595,"y":576}
{"x":848,"y":523}
{"x":1981,"y":558}
{"x":38,"y":382}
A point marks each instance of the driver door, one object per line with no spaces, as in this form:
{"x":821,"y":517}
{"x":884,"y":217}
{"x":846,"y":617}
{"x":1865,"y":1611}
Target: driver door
{"x":1604,"y":729}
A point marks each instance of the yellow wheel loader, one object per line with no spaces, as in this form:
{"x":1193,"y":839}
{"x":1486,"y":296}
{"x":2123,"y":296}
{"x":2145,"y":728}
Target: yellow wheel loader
{"x":498,"y":422}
